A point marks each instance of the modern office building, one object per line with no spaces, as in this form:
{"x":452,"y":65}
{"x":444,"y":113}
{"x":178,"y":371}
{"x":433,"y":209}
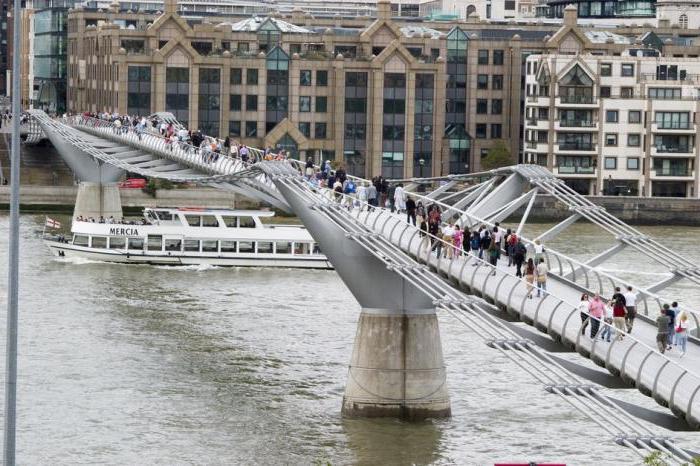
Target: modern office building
{"x":622,"y":124}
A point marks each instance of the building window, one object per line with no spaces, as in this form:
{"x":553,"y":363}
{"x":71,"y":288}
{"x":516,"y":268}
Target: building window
{"x":664,"y":93}
{"x":483,"y":57}
{"x":236,"y":74}
{"x":496,"y":131}
{"x":235,"y":102}
{"x":633,"y":163}
{"x":482,"y":81}
{"x":355,"y":104}
{"x":605,"y":91}
{"x":320,"y":131}
{"x":611,"y":116}
{"x":304,"y":103}
{"x":209,"y":96}
{"x":634,"y":116}
{"x":627,"y":69}
{"x":634,"y":140}
{"x":610,"y":163}
{"x":321,"y":104}
{"x":251,"y":75}
{"x":509,"y":5}
{"x":683,"y":21}
{"x":139,"y":90}
{"x":177,"y":92}
{"x":305,"y":129}
{"x":496,"y":106}
{"x":305,"y":78}
{"x":482,"y":106}
{"x":251,"y":129}
{"x":611,"y":139}
{"x":251,"y":102}
{"x":497,"y":82}
{"x":606,"y":69}
{"x":234,"y":128}
{"x":626,"y":92}
{"x":498,"y":54}
{"x":322,"y":78}
{"x":481,"y":130}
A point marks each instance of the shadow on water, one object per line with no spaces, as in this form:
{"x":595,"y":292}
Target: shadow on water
{"x":395,"y":442}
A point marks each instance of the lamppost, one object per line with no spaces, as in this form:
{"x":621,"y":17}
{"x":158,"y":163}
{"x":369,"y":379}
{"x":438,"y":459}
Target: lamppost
{"x":421,"y":164}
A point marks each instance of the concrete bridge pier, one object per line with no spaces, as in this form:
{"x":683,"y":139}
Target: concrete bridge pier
{"x":397,"y":368}
{"x":98,"y":200}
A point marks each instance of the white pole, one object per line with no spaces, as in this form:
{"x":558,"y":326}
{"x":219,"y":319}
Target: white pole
{"x":13,"y":263}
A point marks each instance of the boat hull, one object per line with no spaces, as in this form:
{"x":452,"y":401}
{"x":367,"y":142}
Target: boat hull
{"x":69,"y":251}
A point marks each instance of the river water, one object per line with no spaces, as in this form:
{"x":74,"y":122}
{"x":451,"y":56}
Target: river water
{"x":146,"y":365}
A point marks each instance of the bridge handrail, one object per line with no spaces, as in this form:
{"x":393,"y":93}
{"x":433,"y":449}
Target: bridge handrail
{"x":573,"y":306}
{"x":560,"y":256}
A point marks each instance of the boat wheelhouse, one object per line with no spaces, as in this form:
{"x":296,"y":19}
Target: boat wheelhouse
{"x":193,"y":236}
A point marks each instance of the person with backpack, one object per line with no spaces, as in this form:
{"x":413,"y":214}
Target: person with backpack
{"x":519,"y":253}
{"x":662,"y":329}
{"x":411,"y":210}
{"x":485,"y":243}
{"x":494,"y":250}
{"x":475,"y":245}
{"x":511,"y":243}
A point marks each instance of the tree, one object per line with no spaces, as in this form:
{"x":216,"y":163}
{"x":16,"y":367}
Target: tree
{"x":498,"y":156}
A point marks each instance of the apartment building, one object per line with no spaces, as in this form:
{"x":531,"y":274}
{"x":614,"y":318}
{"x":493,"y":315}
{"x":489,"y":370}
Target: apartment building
{"x":621,"y":124}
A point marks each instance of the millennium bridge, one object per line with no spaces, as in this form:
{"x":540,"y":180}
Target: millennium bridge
{"x":396,"y":367}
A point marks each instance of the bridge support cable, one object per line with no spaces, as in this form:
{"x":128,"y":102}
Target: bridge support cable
{"x":557,"y":229}
{"x":536,"y":362}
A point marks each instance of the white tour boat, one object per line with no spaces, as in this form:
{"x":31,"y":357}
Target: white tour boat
{"x":193,"y":236}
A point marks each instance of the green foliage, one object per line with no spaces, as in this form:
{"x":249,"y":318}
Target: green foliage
{"x":498,"y":156}
{"x":655,"y":459}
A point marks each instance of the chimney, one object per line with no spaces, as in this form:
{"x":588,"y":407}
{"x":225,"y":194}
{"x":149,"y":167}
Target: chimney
{"x":170,"y":6}
{"x":383,"y":9}
{"x":570,"y":15}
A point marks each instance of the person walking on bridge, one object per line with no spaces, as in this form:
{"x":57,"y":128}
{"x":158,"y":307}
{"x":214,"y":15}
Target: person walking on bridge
{"x":530,"y":276}
{"x":618,"y":304}
{"x":662,"y":329}
{"x":583,"y":309}
{"x":631,"y":308}
{"x":682,"y":331}
{"x":519,"y":253}
{"x":542,"y":271}
{"x":596,"y":309}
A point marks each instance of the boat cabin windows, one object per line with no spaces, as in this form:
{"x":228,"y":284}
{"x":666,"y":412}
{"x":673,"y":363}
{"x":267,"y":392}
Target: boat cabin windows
{"x":194,"y":220}
{"x":301,"y":248}
{"x":155,"y":243}
{"x":228,"y":246}
{"x":164,"y":215}
{"x":135,"y":244}
{"x":210,"y":246}
{"x":230,"y":222}
{"x":99,"y":242}
{"x":209,"y":221}
{"x":283,"y":248}
{"x":117,"y":242}
{"x":191,"y":245}
{"x":81,"y":240}
{"x":173,"y":245}
{"x":246,"y":222}
{"x":246,"y":246}
{"x":265,"y":247}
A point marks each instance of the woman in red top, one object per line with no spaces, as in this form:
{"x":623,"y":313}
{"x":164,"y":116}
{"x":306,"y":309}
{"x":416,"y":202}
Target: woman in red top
{"x":619,"y":319}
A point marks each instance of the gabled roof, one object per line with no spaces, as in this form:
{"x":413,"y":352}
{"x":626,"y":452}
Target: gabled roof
{"x":256,"y":24}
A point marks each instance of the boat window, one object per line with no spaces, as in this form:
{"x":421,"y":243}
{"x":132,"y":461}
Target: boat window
{"x":99,"y":242}
{"x":192,"y":245}
{"x":210,"y":245}
{"x":229,"y":221}
{"x":246,"y":246}
{"x":193,"y":220}
{"x":80,"y":240}
{"x":136,"y":243}
{"x":164,"y":215}
{"x":247,"y":222}
{"x":264,"y":247}
{"x":155,"y":243}
{"x":317,"y":249}
{"x":228,"y":246}
{"x":117,"y":242}
{"x":209,"y":221}
{"x":301,"y":248}
{"x":173,"y":244}
{"x":283,"y":248}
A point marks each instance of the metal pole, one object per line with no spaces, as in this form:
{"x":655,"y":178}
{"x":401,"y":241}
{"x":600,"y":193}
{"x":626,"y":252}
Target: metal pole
{"x":13,"y":263}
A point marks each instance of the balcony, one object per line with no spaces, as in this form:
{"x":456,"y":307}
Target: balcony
{"x":673,"y":127}
{"x":577,"y":146}
{"x":672,"y":149}
{"x":576,"y":100}
{"x":575,"y":170}
{"x":577,"y":124}
{"x":673,"y":173}
{"x":685,"y":79}
{"x":536,"y":146}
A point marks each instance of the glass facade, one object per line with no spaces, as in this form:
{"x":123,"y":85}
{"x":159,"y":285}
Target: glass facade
{"x":393,"y":125}
{"x":423,"y":125}
{"x":277,"y":105}
{"x":139,"y":90}
{"x":456,"y":102}
{"x":605,"y":9}
{"x":355,"y":138}
{"x":177,"y":93}
{"x":209,"y":104}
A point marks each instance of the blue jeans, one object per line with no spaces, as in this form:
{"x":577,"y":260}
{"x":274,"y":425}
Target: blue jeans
{"x":682,"y":340}
{"x":541,"y":286}
{"x":607,"y":331}
{"x":671,"y":335}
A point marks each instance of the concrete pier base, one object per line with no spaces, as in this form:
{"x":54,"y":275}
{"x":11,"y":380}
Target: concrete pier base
{"x":98,"y":200}
{"x":397,"y":367}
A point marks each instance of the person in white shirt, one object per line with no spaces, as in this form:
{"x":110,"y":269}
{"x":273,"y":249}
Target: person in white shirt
{"x":539,"y":250}
{"x":400,"y":199}
{"x":631,"y":307}
{"x":607,"y":326}
{"x":542,"y":270}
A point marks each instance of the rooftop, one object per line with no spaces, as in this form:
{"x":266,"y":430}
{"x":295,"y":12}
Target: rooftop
{"x":257,"y":23}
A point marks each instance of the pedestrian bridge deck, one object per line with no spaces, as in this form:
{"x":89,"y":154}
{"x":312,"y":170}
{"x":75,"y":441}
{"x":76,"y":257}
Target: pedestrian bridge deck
{"x":672,"y":381}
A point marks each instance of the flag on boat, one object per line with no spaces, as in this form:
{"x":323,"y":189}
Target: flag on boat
{"x":51,"y":223}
